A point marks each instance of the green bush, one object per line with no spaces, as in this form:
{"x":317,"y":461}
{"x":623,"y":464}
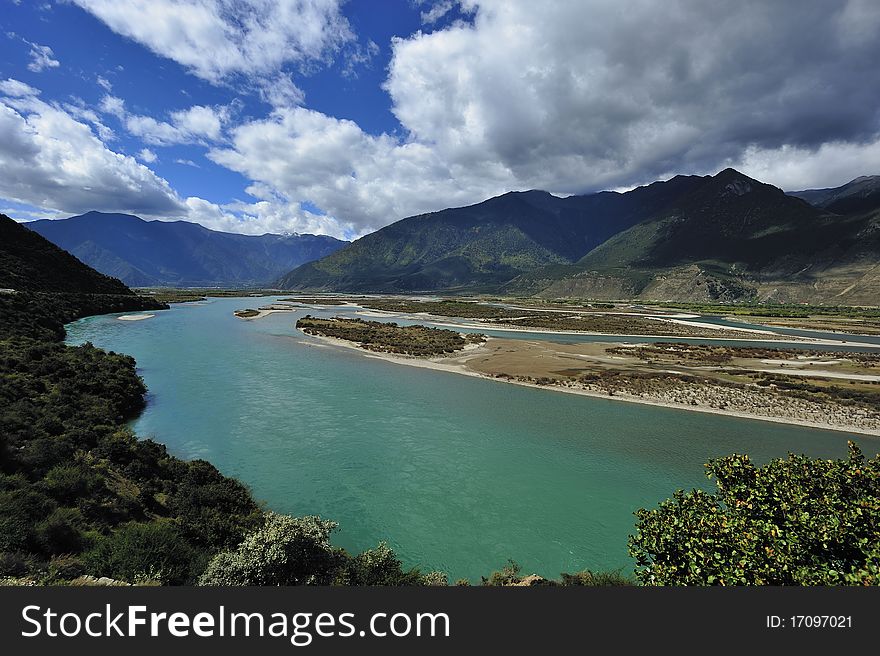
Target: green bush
{"x":507,"y":575}
{"x":143,"y":552}
{"x":61,"y":532}
{"x":283,"y":551}
{"x":794,"y":521}
{"x":380,"y":566}
{"x":71,"y":481}
{"x":20,"y":511}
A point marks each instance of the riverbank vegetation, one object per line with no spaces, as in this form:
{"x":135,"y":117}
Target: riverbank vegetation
{"x":620,"y":324}
{"x":793,"y":521}
{"x":389,"y":337}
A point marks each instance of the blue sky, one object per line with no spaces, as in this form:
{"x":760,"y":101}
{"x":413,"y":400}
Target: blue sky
{"x":341,"y":117}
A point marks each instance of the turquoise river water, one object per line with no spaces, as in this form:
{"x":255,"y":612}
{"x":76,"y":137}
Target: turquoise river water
{"x":455,"y":473}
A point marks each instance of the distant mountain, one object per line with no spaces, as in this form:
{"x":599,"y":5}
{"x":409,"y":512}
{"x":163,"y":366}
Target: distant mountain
{"x":30,"y":263}
{"x":859,"y":195}
{"x":181,"y":254}
{"x":730,"y":238}
{"x":724,"y":237}
{"x":482,"y":246}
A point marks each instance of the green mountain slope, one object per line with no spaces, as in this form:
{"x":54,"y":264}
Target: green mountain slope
{"x":28,"y":262}
{"x":483,"y":246}
{"x":732,"y":238}
{"x":725,"y":237}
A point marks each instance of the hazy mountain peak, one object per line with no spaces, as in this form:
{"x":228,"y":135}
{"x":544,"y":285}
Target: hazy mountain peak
{"x":856,"y":196}
{"x":180,"y":253}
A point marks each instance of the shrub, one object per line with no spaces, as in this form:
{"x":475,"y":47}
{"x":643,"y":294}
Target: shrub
{"x":60,"y":532}
{"x":507,"y":575}
{"x":14,"y":563}
{"x":71,"y":481}
{"x":794,"y":521}
{"x":381,"y":566}
{"x":141,"y":552}
{"x":283,"y":551}
{"x":20,"y":510}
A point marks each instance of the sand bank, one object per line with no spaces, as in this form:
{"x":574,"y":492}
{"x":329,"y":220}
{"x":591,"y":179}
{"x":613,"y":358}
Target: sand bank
{"x":458,"y":364}
{"x":135,"y":317}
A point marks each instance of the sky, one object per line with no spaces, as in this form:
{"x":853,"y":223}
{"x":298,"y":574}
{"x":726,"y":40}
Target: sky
{"x":338,"y":118}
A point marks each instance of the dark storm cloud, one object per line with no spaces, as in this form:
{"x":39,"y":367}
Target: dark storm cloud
{"x":588,"y":94}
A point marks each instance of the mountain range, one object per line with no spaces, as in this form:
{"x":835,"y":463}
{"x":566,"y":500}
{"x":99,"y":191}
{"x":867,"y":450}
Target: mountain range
{"x":725,"y":237}
{"x":30,"y":263}
{"x":178,"y":253}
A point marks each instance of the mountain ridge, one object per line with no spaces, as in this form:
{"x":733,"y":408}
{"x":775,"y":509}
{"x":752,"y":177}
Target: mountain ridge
{"x":722,"y":237}
{"x":29,"y":263}
{"x":481,"y":246}
{"x":179,"y":253}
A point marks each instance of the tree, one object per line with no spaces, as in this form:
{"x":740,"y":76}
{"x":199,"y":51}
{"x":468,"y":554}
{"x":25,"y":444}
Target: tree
{"x":283,"y":551}
{"x":794,"y":521}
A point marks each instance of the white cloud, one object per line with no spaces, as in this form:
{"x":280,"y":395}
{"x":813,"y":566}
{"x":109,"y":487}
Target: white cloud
{"x":830,"y":165}
{"x":215,"y":39}
{"x":282,"y":92}
{"x":147,"y":155}
{"x":200,"y":121}
{"x":113,"y":105}
{"x":195,"y":124}
{"x":437,"y":11}
{"x":187,"y":162}
{"x":51,"y":160}
{"x":42,"y":58}
{"x":260,"y":218}
{"x":78,"y":110}
{"x":104,"y":83}
{"x":361,"y":181}
{"x":17,"y":89}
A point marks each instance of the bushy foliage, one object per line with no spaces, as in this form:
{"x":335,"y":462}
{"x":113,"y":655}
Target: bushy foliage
{"x":283,"y":551}
{"x":590,"y":578}
{"x":140,"y":553}
{"x":511,"y":575}
{"x":297,"y":551}
{"x":381,"y":566}
{"x":794,"y":521}
{"x":71,"y":474}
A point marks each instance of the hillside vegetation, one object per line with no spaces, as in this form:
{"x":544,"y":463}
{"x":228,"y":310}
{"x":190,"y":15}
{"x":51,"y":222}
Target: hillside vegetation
{"x":723,"y":238}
